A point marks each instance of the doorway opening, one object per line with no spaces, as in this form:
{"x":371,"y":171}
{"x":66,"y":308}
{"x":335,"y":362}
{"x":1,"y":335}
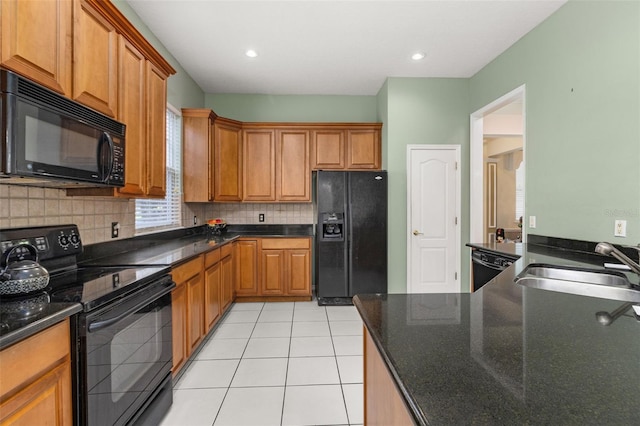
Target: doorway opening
{"x":497,"y":170}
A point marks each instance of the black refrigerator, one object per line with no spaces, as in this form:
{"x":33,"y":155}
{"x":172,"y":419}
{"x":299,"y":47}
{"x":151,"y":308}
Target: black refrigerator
{"x":351,"y":235}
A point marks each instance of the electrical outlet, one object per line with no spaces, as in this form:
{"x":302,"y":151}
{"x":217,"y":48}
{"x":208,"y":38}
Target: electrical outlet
{"x":115,"y":229}
{"x":620,"y":228}
{"x":532,"y":221}
{"x":195,"y":220}
{"x":261,"y":217}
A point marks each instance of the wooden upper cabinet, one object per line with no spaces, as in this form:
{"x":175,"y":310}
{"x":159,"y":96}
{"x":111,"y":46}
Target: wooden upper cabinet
{"x":36,"y":41}
{"x":327,"y":149}
{"x":259,"y":154}
{"x":88,"y":51}
{"x":293,"y":174}
{"x":198,"y":157}
{"x":347,"y":147}
{"x":227,"y":160}
{"x":363,"y":149}
{"x":156,"y":104}
{"x":95,"y":55}
{"x":131,"y":111}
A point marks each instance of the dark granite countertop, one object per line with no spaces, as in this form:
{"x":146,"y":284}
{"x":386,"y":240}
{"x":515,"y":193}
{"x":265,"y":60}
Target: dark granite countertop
{"x":509,"y":354}
{"x":16,"y":324}
{"x":176,"y":247}
{"x":162,"y":249}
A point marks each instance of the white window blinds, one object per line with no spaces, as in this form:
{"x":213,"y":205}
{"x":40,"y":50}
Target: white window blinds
{"x":155,"y":215}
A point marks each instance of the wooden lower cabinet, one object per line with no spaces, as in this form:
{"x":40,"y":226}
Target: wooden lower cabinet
{"x":272,"y":272}
{"x":383,"y":404}
{"x":298,"y":278}
{"x":226,"y":277}
{"x":195,"y":308}
{"x":218,"y":284}
{"x":187,"y":307}
{"x":204,"y":291}
{"x":246,"y":262}
{"x":179,"y":326}
{"x":274,"y":269}
{"x":212,"y":289}
{"x":35,"y":379}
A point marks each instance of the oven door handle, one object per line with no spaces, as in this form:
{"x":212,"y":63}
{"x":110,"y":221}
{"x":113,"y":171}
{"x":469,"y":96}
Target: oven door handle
{"x":128,"y":310}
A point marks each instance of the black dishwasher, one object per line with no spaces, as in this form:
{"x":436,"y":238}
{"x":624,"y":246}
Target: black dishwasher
{"x":487,"y":265}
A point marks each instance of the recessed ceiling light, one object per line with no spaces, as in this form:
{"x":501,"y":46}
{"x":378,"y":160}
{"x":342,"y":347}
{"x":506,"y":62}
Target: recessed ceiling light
{"x":251,"y":53}
{"x":418,"y":56}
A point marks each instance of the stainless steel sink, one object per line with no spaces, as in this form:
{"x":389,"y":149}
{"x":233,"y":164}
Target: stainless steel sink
{"x":585,"y":282}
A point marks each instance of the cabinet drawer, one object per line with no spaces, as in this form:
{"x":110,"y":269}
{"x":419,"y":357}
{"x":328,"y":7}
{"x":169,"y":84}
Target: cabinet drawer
{"x":285,"y":243}
{"x":33,"y":356}
{"x":211,"y":258}
{"x":225,"y":250}
{"x":187,"y":270}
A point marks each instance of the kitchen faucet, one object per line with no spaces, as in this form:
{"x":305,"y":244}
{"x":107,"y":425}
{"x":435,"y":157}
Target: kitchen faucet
{"x":609,"y":250}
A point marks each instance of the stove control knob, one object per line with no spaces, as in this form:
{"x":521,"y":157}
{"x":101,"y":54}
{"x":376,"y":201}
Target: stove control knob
{"x":63,"y":240}
{"x":75,"y":240}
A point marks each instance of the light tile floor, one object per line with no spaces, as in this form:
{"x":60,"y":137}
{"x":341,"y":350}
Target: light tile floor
{"x":289,"y":363}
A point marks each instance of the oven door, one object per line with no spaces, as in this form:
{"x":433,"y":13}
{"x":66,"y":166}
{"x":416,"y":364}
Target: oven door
{"x":126,"y":355}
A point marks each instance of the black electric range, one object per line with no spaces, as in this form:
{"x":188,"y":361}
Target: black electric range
{"x":92,"y":286}
{"x":121,"y":339}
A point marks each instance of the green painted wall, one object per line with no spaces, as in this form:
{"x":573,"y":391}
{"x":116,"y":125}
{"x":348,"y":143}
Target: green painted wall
{"x":423,"y":111}
{"x":383,"y":117}
{"x":294,"y":108}
{"x":182,"y":91}
{"x":581,"y":68}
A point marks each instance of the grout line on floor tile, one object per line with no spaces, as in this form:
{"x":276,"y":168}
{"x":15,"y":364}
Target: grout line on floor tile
{"x":237,"y":366}
{"x":344,"y":401}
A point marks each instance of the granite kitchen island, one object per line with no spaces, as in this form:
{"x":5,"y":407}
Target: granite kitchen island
{"x":506,"y":354}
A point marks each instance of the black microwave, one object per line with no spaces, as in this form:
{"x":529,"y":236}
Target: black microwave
{"x":51,"y":138}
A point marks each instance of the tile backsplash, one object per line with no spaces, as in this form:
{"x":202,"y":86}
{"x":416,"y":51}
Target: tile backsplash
{"x":248,"y":213}
{"x":31,"y":206}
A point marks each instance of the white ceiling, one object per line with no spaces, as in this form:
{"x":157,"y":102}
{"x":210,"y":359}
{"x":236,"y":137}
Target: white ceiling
{"x":334,"y":47}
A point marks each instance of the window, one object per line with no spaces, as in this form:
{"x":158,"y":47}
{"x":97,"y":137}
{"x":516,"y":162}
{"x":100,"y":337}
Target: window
{"x":156,"y":215}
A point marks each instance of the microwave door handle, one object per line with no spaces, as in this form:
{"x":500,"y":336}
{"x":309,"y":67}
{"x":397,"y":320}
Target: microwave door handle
{"x":105,"y":171}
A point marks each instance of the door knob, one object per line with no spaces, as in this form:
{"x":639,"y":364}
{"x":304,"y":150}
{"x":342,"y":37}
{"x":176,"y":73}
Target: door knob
{"x":416,"y":233}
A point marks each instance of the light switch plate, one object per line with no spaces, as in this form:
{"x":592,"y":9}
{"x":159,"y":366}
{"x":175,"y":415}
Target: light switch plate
{"x":532,"y":221}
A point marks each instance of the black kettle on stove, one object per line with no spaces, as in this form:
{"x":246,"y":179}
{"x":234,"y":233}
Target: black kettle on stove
{"x":20,"y":271}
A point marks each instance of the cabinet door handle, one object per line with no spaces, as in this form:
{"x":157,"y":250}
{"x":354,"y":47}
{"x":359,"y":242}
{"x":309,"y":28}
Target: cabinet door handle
{"x":416,"y":233}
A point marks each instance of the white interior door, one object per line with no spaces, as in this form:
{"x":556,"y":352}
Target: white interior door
{"x":433,"y":231}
